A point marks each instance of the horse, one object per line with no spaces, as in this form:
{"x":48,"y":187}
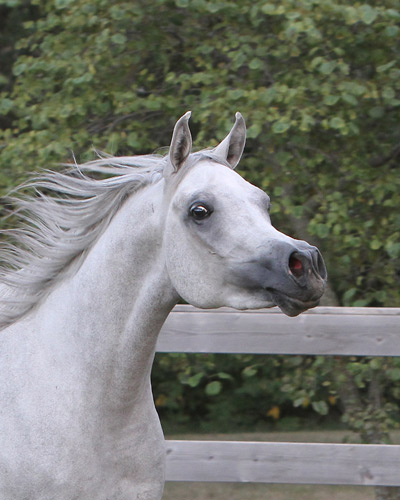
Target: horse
{"x":103,"y":252}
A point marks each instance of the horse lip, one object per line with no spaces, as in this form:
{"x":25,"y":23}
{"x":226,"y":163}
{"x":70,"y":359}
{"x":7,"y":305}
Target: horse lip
{"x":289,"y":305}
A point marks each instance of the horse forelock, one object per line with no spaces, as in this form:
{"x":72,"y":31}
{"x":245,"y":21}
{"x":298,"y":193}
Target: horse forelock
{"x":61,"y":215}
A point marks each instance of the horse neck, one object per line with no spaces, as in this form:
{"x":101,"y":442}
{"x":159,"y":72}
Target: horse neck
{"x":112,"y":309}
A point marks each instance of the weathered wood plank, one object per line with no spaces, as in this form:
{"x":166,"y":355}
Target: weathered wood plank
{"x":302,"y":463}
{"x":391,"y":311}
{"x":324,"y":330}
{"x":341,"y":331}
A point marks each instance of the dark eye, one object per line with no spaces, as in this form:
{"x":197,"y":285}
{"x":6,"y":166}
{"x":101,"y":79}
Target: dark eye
{"x":199,"y":211}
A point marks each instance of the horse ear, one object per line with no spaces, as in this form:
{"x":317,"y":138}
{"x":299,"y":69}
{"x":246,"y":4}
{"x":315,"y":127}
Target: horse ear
{"x":231,"y":148}
{"x":181,"y":145}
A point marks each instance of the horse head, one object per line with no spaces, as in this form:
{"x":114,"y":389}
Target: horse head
{"x":220,"y":246}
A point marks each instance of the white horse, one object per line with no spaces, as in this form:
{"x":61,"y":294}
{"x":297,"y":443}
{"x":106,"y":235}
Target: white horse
{"x":96,"y":269}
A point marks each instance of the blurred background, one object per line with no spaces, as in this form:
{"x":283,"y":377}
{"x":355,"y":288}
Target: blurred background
{"x":318,"y":82}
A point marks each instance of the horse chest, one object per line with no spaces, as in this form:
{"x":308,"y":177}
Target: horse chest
{"x":59,"y":440}
{"x":62,"y":457}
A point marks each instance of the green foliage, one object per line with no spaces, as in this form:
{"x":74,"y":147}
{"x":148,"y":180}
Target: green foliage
{"x":209,"y":391}
{"x":278,"y":391}
{"x":319,"y":85}
{"x":366,"y":389}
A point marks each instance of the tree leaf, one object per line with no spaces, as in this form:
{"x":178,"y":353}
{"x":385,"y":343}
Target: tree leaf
{"x":213,"y":388}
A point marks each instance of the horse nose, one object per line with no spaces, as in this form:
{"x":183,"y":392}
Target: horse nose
{"x":304,"y":263}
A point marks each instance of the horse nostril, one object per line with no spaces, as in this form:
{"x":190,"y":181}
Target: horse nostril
{"x":296,"y":266}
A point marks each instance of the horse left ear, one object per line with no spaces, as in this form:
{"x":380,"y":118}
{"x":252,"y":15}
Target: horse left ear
{"x":231,"y":148}
{"x":181,"y":145}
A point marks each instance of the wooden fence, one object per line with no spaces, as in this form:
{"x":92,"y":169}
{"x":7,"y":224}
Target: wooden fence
{"x":324,"y":330}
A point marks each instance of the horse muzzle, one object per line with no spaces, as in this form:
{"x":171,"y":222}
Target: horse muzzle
{"x":300,"y":280}
{"x":290,"y":275}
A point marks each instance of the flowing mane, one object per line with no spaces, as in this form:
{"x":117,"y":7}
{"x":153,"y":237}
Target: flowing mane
{"x":60,"y":221}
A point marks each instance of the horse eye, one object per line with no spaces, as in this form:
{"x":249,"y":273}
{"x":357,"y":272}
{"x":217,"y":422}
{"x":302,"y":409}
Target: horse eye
{"x":199,"y":211}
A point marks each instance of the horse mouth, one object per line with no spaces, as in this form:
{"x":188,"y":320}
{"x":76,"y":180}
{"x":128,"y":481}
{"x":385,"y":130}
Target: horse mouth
{"x":289,"y":305}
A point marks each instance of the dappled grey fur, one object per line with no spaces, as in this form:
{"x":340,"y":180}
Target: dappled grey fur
{"x":60,"y":221}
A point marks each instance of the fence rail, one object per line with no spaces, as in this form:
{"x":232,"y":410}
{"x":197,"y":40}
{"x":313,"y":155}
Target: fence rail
{"x":358,"y":331}
{"x":305,"y":463}
{"x":324,"y":330}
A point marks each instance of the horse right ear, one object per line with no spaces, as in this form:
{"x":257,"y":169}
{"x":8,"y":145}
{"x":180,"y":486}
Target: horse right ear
{"x":181,"y":145}
{"x":231,"y":148}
